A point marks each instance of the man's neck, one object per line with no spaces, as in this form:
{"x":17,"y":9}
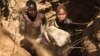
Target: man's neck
{"x":32,"y":18}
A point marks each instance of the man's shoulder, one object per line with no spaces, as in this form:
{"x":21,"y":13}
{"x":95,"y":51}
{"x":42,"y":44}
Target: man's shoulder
{"x":41,"y":15}
{"x":69,"y":20}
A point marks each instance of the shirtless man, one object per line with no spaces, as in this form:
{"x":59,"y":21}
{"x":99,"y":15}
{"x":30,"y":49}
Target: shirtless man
{"x":31,"y":23}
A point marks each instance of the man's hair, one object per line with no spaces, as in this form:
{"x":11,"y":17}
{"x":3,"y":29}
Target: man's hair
{"x":61,"y":7}
{"x":30,"y":2}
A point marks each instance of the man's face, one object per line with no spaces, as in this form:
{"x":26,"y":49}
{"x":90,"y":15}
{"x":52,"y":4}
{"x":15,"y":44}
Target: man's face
{"x":32,"y":11}
{"x":61,"y":14}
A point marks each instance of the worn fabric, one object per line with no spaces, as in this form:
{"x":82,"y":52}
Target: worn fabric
{"x":60,"y":36}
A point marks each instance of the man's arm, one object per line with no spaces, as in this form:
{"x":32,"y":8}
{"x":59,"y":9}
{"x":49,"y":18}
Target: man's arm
{"x":78,"y":25}
{"x":43,"y":18}
{"x":22,"y":21}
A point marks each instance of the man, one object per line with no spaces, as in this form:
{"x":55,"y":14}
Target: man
{"x":61,"y":18}
{"x":57,"y":31}
{"x":63,"y":23}
{"x":31,"y":23}
{"x":31,"y":20}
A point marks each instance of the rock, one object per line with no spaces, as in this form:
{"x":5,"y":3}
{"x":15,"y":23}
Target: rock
{"x":8,"y":47}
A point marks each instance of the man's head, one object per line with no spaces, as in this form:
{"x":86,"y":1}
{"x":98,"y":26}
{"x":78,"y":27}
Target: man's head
{"x":61,"y":13}
{"x":31,"y":8}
